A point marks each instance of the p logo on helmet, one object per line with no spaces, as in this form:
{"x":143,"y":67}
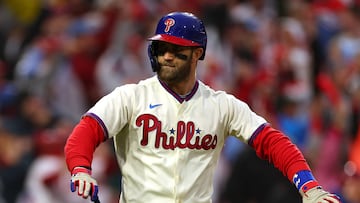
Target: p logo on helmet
{"x":180,"y":28}
{"x":169,"y":23}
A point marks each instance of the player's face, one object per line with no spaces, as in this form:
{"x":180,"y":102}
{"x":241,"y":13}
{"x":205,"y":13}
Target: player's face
{"x":175,"y":62}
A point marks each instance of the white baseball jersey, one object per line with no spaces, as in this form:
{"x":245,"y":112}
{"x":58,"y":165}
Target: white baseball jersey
{"x":167,"y":147}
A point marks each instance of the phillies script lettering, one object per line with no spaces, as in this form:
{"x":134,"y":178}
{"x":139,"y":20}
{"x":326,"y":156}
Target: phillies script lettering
{"x":151,"y":123}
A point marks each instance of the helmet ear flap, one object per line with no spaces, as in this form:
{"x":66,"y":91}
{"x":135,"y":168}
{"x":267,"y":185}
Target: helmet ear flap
{"x":152,"y":53}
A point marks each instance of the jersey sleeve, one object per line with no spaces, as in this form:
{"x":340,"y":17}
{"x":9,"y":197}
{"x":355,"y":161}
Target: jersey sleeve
{"x":242,"y":121}
{"x":82,"y":142}
{"x":104,"y":120}
{"x":270,"y":144}
{"x":113,"y":111}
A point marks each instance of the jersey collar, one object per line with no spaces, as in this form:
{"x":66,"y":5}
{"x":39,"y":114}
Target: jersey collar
{"x":178,"y":97}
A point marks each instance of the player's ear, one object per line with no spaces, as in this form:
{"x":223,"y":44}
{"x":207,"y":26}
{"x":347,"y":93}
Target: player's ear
{"x":197,"y":53}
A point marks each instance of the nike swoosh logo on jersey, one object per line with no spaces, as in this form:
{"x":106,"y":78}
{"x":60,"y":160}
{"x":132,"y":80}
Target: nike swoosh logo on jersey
{"x":151,"y":106}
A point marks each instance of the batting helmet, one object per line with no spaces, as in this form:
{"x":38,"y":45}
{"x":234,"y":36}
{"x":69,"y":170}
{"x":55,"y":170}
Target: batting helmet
{"x":180,"y":28}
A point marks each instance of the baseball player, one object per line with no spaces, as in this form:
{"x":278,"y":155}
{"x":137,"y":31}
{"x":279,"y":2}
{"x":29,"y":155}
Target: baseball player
{"x":168,"y":130}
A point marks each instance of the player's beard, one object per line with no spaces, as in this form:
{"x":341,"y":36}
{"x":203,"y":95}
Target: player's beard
{"x":171,"y":74}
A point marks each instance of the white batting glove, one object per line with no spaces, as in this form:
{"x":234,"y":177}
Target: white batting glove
{"x":82,"y":181}
{"x":310,"y":190}
{"x":318,"y":195}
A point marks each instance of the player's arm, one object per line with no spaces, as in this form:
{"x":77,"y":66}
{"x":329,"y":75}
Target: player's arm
{"x":274,"y":146}
{"x":79,"y":150}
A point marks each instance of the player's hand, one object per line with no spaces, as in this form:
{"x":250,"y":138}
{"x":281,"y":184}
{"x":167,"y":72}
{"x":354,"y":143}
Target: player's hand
{"x":82,"y":181}
{"x":318,"y":195}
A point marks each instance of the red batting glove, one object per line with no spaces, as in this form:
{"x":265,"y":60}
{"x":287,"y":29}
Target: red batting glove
{"x":82,"y":181}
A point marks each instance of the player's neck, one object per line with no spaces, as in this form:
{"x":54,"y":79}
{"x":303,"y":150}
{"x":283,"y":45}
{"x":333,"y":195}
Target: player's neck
{"x":183,"y":87}
{"x":182,"y":90}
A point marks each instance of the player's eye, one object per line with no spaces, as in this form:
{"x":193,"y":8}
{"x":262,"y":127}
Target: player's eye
{"x":174,"y":49}
{"x":181,"y":56}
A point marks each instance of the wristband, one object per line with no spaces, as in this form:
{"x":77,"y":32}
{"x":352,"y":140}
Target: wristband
{"x":304,"y":180}
{"x":80,"y":169}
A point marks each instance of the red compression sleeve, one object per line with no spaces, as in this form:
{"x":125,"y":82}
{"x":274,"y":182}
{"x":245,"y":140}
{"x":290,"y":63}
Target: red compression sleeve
{"x":272,"y":145}
{"x":82,"y":142}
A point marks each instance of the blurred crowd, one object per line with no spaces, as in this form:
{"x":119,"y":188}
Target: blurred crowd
{"x":296,"y":63}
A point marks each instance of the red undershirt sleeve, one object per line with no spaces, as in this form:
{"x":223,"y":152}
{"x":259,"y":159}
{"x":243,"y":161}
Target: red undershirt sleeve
{"x":272,"y":145}
{"x":82,"y":142}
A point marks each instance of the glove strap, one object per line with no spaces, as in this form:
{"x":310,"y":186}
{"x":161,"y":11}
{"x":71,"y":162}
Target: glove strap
{"x":309,"y":185}
{"x":304,"y":180}
{"x":80,"y":169}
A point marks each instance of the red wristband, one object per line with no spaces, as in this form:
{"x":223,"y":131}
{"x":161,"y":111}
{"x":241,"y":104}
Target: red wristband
{"x":80,"y":170}
{"x":309,"y":185}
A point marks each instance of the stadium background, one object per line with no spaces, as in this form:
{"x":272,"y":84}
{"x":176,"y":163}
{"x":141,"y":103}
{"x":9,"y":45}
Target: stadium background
{"x":297,"y":63}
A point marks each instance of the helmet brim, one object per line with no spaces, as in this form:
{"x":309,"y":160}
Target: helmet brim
{"x":174,"y":40}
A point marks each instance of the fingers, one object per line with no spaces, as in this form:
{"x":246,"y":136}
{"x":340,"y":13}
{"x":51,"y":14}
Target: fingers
{"x":84,"y":189}
{"x":332,"y":199}
{"x":94,"y":192}
{"x":72,"y":186}
{"x":84,"y":184}
{"x":79,"y":186}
